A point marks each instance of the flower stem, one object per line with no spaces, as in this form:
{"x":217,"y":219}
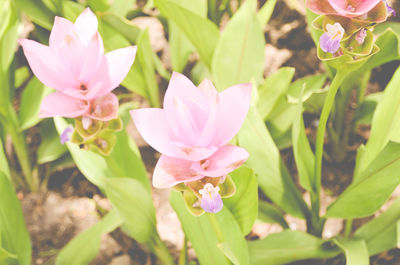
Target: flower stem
{"x":216,"y":227}
{"x":158,"y":247}
{"x":319,"y":146}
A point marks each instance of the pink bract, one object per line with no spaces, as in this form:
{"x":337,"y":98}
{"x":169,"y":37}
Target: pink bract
{"x":172,"y":171}
{"x":193,"y":130}
{"x":74,"y":64}
{"x":195,"y":121}
{"x":347,"y":8}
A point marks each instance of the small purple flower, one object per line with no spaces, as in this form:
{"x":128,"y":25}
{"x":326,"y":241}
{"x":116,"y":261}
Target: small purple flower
{"x":211,"y":201}
{"x":360,"y":37}
{"x":66,"y":135}
{"x":330,"y":40}
{"x":390,"y":9}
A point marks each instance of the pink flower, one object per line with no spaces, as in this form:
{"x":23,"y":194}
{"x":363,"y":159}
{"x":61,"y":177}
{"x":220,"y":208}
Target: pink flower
{"x":193,"y":130}
{"x":74,"y":64}
{"x":346,"y":8}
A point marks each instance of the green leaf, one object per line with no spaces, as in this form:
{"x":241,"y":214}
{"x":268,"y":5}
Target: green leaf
{"x":50,"y":147}
{"x":135,"y":206}
{"x":372,"y":188}
{"x":282,"y":115}
{"x":37,"y":12}
{"x":244,"y":204}
{"x":122,"y":162}
{"x":389,"y":43}
{"x":31,"y":99}
{"x":365,"y":111}
{"x":143,"y":68}
{"x":380,"y":233}
{"x":239,"y":55}
{"x":111,"y":37}
{"x":273,"y":89}
{"x":303,"y":154}
{"x":268,"y":213}
{"x":289,"y":246}
{"x":89,"y":241}
{"x":264,"y":158}
{"x":385,"y":124}
{"x":265,"y":12}
{"x":356,"y":251}
{"x":72,"y":10}
{"x":21,"y":75}
{"x":123,"y":26}
{"x":98,"y":5}
{"x":14,"y":235}
{"x":180,"y":47}
{"x":203,"y":238}
{"x":122,"y":7}
{"x":8,"y":36}
{"x":201,"y":32}
{"x":4,"y":255}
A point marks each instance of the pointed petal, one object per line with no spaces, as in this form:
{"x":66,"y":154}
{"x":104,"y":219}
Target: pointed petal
{"x":234,"y":105}
{"x":44,"y":65}
{"x":59,"y":104}
{"x":60,"y":29}
{"x":171,"y":171}
{"x":222,"y":162}
{"x":93,"y":58}
{"x":104,"y":108}
{"x":86,"y":25}
{"x":118,"y":63}
{"x":208,"y":89}
{"x":152,"y":125}
{"x":181,"y":90}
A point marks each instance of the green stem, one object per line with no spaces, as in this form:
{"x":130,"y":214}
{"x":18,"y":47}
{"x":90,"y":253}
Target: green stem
{"x":348,"y":227}
{"x":158,"y":247}
{"x":319,"y":145}
{"x":183,"y":260}
{"x":21,"y":151}
{"x":216,"y":227}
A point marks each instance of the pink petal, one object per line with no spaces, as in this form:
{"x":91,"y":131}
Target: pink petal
{"x":222,"y":162}
{"x":118,"y":63}
{"x":60,"y":29}
{"x":321,"y":7}
{"x":86,"y":25}
{"x":70,"y":54}
{"x":59,"y":104}
{"x":208,"y":89}
{"x":186,"y":107}
{"x":353,"y":8}
{"x":104,"y":108}
{"x":171,"y":171}
{"x":152,"y":125}
{"x":93,"y":58}
{"x":45,"y":66}
{"x":234,"y":105}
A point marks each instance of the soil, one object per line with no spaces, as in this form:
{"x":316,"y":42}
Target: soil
{"x":72,"y":204}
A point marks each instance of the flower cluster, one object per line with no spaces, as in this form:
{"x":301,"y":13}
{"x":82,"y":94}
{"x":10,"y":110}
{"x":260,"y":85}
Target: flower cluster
{"x":74,"y":64}
{"x":192,"y":132}
{"x":347,"y":26}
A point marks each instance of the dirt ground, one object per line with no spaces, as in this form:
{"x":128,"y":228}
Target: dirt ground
{"x":72,"y":204}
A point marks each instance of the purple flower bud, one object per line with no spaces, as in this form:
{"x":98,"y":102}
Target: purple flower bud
{"x":390,"y":10}
{"x":211,"y":201}
{"x":66,"y":135}
{"x":330,"y":40}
